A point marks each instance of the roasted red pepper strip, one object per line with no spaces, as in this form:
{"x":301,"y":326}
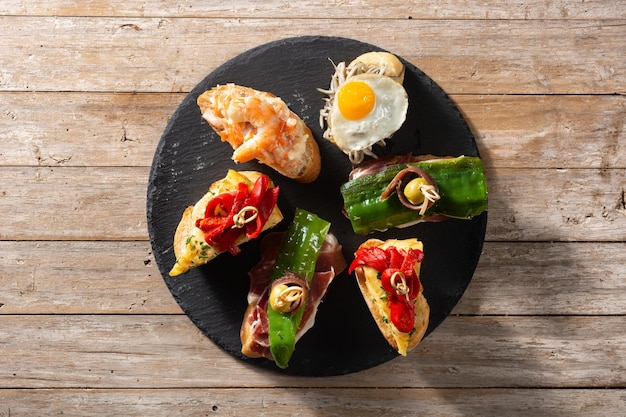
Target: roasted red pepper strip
{"x":408,"y":268}
{"x":402,"y":313}
{"x":227,"y":241}
{"x":389,"y":262}
{"x":218,"y":220}
{"x":385,"y":278}
{"x":395,"y":257}
{"x":372,"y":256}
{"x":264,"y":199}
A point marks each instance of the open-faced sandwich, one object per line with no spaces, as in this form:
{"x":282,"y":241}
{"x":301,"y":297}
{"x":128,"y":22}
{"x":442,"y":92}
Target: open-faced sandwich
{"x":388,"y":274}
{"x":287,"y":286}
{"x":400,"y":191}
{"x":236,"y":209}
{"x":259,"y":125}
{"x":366,"y":103}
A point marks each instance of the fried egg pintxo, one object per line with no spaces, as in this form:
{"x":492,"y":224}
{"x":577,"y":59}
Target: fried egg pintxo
{"x":366,"y":104}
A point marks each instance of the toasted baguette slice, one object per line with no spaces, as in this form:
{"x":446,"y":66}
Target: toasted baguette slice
{"x":250,"y":345}
{"x":375,"y":298}
{"x":259,"y":125}
{"x":379,"y":62}
{"x":190,"y":247}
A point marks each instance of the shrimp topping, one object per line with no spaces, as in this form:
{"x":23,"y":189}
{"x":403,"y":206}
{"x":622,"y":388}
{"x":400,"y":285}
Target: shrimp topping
{"x":257,"y":124}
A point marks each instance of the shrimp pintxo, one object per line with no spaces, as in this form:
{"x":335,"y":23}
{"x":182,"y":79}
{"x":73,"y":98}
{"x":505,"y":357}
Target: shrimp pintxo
{"x":259,"y":125}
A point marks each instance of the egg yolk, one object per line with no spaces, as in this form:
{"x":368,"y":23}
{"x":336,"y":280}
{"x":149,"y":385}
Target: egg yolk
{"x":356,"y":100}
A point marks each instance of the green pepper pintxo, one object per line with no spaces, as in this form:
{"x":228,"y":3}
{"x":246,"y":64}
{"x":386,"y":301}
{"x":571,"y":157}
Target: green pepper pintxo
{"x":298,"y":254}
{"x":461,"y":193}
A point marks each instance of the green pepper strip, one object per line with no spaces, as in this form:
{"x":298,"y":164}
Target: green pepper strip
{"x":298,"y":253}
{"x":462,"y":187}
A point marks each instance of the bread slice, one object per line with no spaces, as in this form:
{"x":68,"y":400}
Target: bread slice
{"x":375,"y":298}
{"x":310,"y":162}
{"x":250,"y":345}
{"x":259,"y":125}
{"x":383,"y":63}
{"x":190,"y":247}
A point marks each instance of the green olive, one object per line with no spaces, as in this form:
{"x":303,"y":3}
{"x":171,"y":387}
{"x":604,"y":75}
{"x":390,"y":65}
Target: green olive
{"x":412,"y":190}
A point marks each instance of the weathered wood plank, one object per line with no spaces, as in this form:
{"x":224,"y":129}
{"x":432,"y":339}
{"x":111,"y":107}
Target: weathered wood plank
{"x":548,"y":131}
{"x":313,"y":402}
{"x":514,"y":278}
{"x":126,"y":351}
{"x":109,"y":204}
{"x":501,"y":57}
{"x":96,"y":203}
{"x":391,"y":9}
{"x":102,"y":129}
{"x":82,"y":129}
{"x":511,"y":279}
{"x":557,"y":205}
{"x":72,"y":277}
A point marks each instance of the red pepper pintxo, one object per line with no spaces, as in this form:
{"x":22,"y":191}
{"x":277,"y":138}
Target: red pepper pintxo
{"x":388,"y":277}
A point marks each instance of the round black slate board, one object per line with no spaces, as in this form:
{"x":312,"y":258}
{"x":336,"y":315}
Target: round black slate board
{"x":190,"y":156}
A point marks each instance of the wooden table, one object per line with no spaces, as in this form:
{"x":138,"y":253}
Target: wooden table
{"x":88,"y":326}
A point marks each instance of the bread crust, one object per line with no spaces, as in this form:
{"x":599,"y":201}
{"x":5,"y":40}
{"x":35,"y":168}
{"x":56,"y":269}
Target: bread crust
{"x":184,"y":229}
{"x":246,"y":336}
{"x":393,"y":67}
{"x":421,"y":310}
{"x":312,"y":163}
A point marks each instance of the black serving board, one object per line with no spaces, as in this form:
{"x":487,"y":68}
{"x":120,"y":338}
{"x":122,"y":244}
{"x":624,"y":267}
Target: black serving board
{"x":190,"y":156}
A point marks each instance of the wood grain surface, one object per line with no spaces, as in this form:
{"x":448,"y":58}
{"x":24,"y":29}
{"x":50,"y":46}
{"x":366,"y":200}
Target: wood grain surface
{"x":87,"y":324}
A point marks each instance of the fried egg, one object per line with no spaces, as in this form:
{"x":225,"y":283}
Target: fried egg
{"x":363,"y":109}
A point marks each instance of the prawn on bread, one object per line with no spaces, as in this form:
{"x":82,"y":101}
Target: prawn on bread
{"x":259,"y":125}
{"x":365,"y":104}
{"x":388,"y":275}
{"x":287,"y":286}
{"x":235,"y":210}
